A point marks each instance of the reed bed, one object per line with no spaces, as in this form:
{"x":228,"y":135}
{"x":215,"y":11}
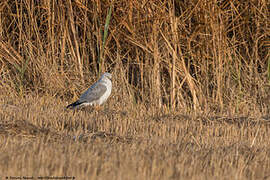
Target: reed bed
{"x":190,"y":99}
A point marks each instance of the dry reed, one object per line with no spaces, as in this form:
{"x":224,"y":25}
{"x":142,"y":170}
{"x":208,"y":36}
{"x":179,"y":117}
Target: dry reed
{"x":191,"y":93}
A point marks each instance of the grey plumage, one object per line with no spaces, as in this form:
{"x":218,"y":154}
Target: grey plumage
{"x":97,"y":94}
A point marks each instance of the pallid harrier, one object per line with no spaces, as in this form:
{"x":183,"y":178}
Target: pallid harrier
{"x":97,"y":94}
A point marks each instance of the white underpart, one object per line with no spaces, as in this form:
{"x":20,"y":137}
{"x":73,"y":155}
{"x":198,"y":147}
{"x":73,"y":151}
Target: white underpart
{"x":105,"y":96}
{"x":107,"y":82}
{"x":97,"y":94}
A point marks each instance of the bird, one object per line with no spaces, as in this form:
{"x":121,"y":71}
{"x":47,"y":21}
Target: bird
{"x":95,"y":95}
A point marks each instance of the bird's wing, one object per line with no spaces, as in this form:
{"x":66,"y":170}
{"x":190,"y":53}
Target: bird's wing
{"x":93,"y":93}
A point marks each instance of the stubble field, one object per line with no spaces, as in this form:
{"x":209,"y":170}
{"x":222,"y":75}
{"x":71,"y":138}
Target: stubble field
{"x":40,"y":138}
{"x":190,"y":97}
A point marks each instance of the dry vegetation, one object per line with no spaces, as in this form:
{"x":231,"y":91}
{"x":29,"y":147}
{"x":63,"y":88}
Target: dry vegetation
{"x":191,"y":97}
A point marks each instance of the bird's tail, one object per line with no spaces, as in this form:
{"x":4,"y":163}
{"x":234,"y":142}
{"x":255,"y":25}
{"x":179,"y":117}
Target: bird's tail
{"x":74,"y":105}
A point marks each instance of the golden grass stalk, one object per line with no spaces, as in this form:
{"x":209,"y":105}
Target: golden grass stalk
{"x":184,"y":55}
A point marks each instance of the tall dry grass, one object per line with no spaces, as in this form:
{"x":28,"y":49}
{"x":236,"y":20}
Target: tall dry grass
{"x":208,"y":60}
{"x":181,"y":54}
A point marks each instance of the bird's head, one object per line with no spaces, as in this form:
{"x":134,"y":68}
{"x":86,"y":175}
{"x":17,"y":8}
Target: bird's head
{"x":107,"y":75}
